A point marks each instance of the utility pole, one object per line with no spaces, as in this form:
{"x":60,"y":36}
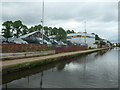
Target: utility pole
{"x":85,"y":32}
{"x":42,"y":21}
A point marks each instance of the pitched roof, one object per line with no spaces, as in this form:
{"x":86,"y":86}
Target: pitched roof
{"x":26,"y":35}
{"x":29,"y":34}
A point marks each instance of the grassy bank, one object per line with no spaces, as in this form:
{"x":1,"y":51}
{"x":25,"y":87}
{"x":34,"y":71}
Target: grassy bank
{"x":28,"y":65}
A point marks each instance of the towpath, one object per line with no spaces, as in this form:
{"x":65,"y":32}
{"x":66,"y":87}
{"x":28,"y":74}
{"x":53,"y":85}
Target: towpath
{"x":19,"y":61}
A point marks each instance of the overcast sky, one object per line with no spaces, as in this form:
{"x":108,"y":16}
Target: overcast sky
{"x":101,"y":17}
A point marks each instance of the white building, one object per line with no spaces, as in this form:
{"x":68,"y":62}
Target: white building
{"x":82,"y":39}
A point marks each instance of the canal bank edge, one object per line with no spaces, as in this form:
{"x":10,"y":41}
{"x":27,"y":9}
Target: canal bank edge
{"x":28,"y":55}
{"x":27,"y":65}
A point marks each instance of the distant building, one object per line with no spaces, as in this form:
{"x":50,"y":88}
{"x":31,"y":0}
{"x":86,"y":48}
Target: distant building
{"x":82,"y":39}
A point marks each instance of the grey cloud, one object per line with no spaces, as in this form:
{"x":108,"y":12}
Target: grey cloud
{"x":60,"y":13}
{"x":29,"y":13}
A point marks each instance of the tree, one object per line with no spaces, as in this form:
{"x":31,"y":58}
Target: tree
{"x":93,"y":33}
{"x":46,"y":31}
{"x":96,"y":42}
{"x":50,"y":31}
{"x":72,"y":31}
{"x":54,"y":31}
{"x":102,"y":42}
{"x":84,"y":32}
{"x":58,"y":33}
{"x":24,"y":29}
{"x":31,"y":29}
{"x":61,"y":34}
{"x":7,"y":29}
{"x":17,"y":26}
{"x":68,"y":31}
{"x":35,"y":28}
{"x":39,"y":27}
{"x":97,"y":37}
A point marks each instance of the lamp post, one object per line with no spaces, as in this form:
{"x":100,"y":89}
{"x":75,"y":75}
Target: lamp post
{"x":85,"y":32}
{"x":42,"y":21}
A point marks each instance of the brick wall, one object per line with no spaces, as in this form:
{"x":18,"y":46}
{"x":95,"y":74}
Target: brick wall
{"x":102,"y":46}
{"x":13,"y":48}
{"x":68,"y":48}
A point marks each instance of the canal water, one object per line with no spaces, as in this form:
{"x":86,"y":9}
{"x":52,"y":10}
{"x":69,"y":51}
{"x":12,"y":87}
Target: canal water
{"x":95,"y":70}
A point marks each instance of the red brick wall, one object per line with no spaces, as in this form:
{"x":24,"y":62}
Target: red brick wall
{"x":102,"y":46}
{"x":12,"y":48}
{"x":68,"y":48}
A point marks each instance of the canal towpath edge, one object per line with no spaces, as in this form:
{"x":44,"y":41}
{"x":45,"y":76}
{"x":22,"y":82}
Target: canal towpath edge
{"x":34,"y":61}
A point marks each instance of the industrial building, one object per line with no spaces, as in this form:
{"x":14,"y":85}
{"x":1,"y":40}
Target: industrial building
{"x":35,"y":38}
{"x":82,"y":39}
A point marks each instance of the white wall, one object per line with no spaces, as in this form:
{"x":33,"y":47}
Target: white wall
{"x":81,"y":40}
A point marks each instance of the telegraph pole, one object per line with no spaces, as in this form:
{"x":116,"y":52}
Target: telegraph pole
{"x":42,"y":21}
{"x":85,"y":32}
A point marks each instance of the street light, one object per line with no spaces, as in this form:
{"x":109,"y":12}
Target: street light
{"x":85,"y":32}
{"x":42,"y":21}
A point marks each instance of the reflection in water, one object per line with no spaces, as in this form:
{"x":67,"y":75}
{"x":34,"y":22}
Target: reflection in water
{"x":95,"y":70}
{"x":41,"y":81}
{"x":60,"y":67}
{"x":28,"y":79}
{"x":6,"y":86}
{"x":84,"y":67}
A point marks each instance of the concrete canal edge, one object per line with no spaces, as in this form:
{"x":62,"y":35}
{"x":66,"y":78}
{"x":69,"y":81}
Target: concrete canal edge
{"x":27,"y":65}
{"x":13,"y":56}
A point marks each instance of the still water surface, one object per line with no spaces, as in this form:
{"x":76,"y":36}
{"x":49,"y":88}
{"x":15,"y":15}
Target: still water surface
{"x":95,"y":70}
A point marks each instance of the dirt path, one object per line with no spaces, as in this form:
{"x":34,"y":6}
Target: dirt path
{"x":18,"y":61}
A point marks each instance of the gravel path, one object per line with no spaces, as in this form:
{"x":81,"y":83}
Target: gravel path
{"x":18,"y":61}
